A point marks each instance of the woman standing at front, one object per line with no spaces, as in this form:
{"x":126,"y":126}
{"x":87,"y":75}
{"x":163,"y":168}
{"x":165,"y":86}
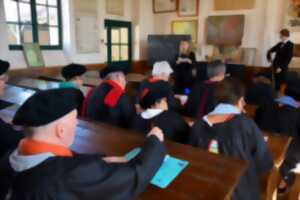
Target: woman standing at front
{"x":184,"y":68}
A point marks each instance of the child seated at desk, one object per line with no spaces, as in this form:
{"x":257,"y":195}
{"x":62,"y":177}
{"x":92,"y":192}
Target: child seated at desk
{"x":201,"y":100}
{"x":283,"y":117}
{"x":226,"y":130}
{"x":156,"y":113}
{"x":160,"y":79}
{"x":44,"y":168}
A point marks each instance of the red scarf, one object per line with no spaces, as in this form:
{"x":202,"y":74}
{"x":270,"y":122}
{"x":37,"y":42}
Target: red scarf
{"x":112,"y":97}
{"x":153,"y":80}
{"x":29,"y":147}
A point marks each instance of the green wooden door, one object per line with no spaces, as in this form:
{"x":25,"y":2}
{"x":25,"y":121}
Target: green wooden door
{"x":119,"y":48}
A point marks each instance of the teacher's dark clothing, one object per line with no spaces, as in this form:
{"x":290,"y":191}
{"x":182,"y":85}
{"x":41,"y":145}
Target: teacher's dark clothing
{"x":184,"y":73}
{"x":283,"y":57}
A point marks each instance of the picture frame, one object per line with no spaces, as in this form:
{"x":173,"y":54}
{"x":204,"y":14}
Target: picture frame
{"x":115,"y":7}
{"x":188,"y":8}
{"x":292,"y":15}
{"x":186,"y":27}
{"x":33,"y":55}
{"x":164,"y":6}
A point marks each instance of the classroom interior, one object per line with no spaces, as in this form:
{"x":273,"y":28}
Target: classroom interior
{"x":97,"y":33}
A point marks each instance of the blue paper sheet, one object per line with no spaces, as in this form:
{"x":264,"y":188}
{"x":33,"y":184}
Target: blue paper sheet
{"x":168,"y":171}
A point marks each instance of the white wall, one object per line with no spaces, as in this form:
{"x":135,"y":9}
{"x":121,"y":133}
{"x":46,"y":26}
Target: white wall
{"x":69,"y":52}
{"x":16,"y":58}
{"x":262,"y":24}
{"x":261,"y":29}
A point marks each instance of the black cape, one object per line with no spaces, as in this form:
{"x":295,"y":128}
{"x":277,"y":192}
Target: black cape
{"x":184,"y":73}
{"x":120,"y":115}
{"x":84,"y":177}
{"x":239,"y":138}
{"x":172,"y":124}
{"x":9,"y":138}
{"x":260,"y":94}
{"x":173,"y":103}
{"x":284,"y":120}
{"x":201,"y":100}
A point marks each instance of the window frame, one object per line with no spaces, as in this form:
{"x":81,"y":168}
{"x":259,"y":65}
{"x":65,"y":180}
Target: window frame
{"x":34,"y":24}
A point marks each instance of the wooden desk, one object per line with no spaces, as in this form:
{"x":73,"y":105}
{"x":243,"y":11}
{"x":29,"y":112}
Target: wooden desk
{"x":36,"y":84}
{"x":16,"y":95}
{"x":208,"y":176}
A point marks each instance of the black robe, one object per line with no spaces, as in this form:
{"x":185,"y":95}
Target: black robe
{"x":260,"y":94}
{"x":173,"y":103}
{"x":9,"y":138}
{"x":84,"y":177}
{"x":284,"y":120}
{"x":120,"y":115}
{"x":172,"y":124}
{"x":184,"y":73}
{"x":239,"y":138}
{"x":201,"y":100}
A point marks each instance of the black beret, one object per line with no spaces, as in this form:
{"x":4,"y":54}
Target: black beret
{"x":72,"y":70}
{"x":4,"y":66}
{"x":47,"y":106}
{"x":110,"y":69}
{"x":150,"y":96}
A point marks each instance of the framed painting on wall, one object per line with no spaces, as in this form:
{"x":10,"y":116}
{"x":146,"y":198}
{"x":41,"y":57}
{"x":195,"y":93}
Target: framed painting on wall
{"x":234,"y":4}
{"x":33,"y":55}
{"x":163,"y":6}
{"x":188,"y":8}
{"x":115,"y":7}
{"x":186,"y":27}
{"x":225,"y":30}
{"x":292,"y":15}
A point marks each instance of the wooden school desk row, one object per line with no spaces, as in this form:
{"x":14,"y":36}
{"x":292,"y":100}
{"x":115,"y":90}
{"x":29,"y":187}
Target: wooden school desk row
{"x":207,"y":177}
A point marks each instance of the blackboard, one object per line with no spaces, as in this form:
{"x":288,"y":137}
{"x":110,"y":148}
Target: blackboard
{"x":164,"y":47}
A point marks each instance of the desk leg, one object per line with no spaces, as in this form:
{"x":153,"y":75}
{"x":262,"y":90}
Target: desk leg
{"x":295,"y":189}
{"x":272,"y":184}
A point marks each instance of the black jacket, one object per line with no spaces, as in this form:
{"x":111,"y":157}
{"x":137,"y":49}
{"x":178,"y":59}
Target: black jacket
{"x":84,"y":177}
{"x":172,"y":124}
{"x":119,"y":115}
{"x":284,"y":55}
{"x":9,"y":138}
{"x":238,"y":138}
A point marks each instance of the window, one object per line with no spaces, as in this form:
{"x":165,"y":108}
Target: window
{"x":118,"y":42}
{"x":34,"y":21}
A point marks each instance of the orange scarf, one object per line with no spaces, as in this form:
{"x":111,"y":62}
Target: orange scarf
{"x":29,"y":147}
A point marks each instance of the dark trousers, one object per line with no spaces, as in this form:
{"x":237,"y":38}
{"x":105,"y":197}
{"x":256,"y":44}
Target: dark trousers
{"x":279,"y":78}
